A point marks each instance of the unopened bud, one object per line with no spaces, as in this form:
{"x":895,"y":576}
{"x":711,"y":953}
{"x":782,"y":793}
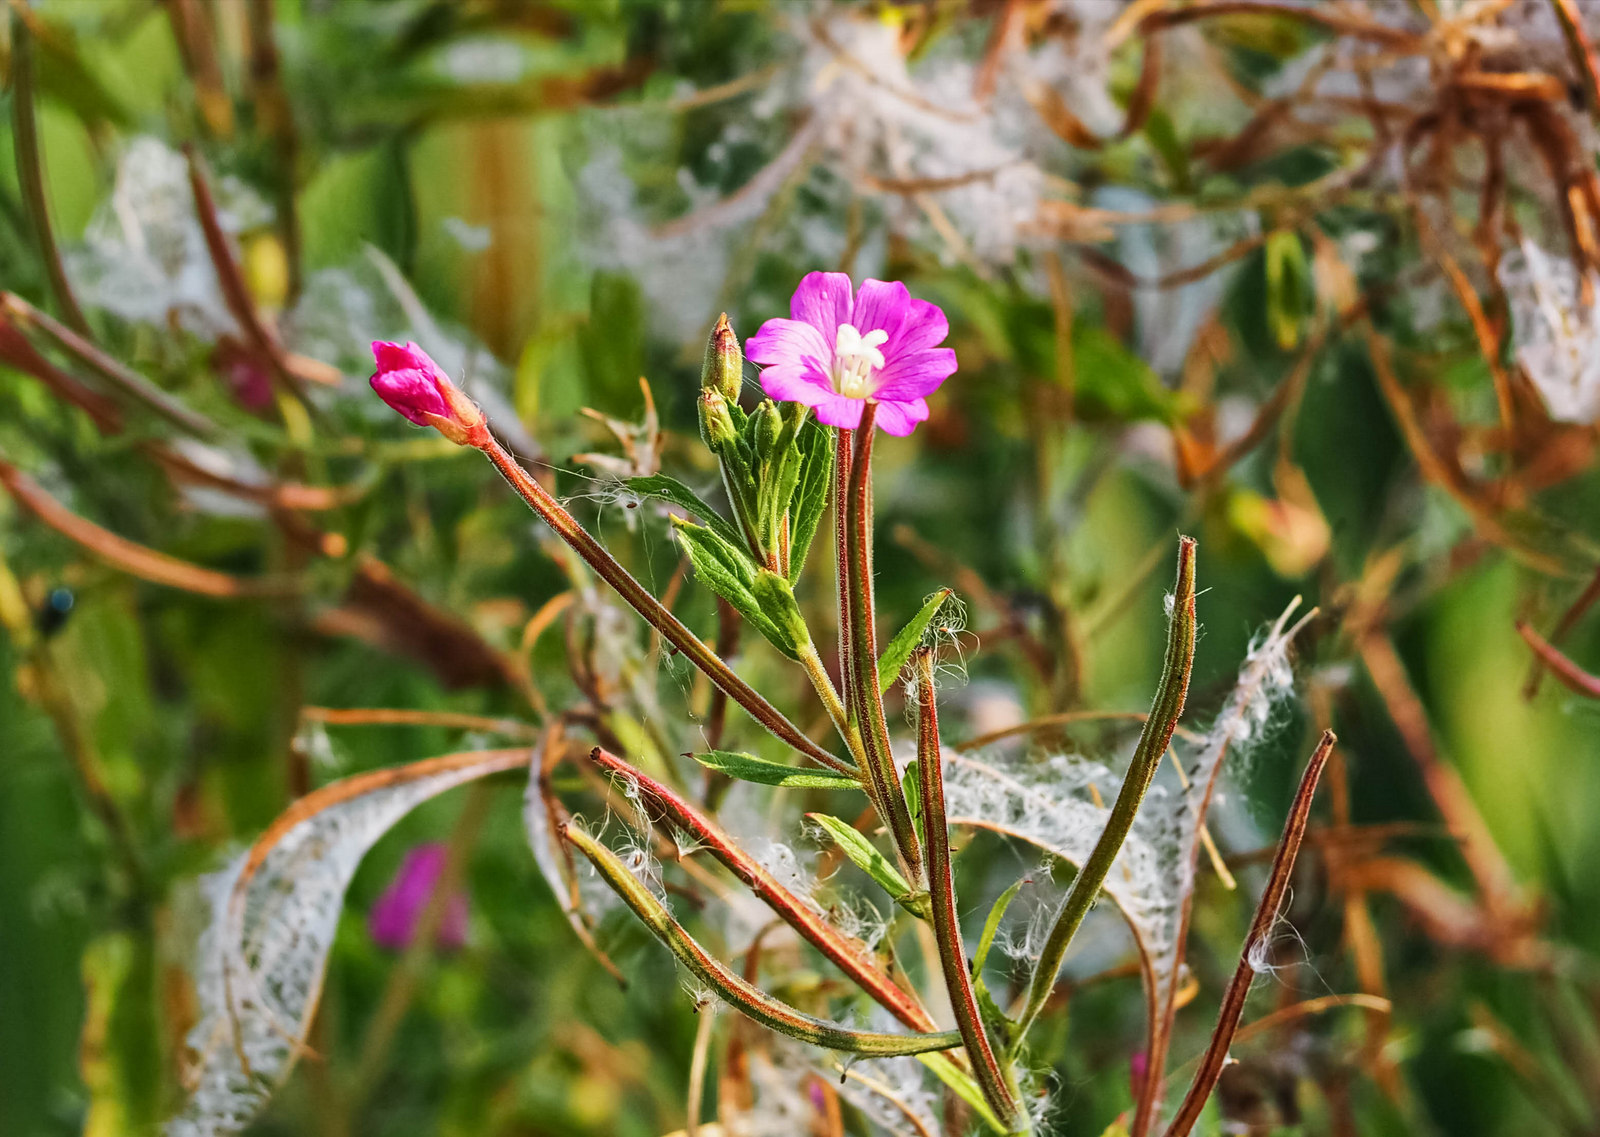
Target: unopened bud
{"x":723,"y":370}
{"x":716,"y":424}
{"x":418,"y":388}
{"x":768,"y":427}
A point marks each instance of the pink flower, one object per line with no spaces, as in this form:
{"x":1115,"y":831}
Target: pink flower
{"x":838,"y":352}
{"x":410,"y":382}
{"x":393,"y":919}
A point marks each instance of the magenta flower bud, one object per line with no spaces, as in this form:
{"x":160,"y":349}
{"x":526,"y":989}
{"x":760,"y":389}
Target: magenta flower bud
{"x":418,"y":388}
{"x":393,"y":920}
{"x":841,"y":350}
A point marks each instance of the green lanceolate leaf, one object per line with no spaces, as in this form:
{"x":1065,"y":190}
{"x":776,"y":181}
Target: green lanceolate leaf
{"x":869,"y":860}
{"x":763,"y":598}
{"x":776,"y":598}
{"x":810,"y":499}
{"x":992,"y":925}
{"x":992,"y":1013}
{"x":749,"y":768}
{"x":911,"y":786}
{"x":907,"y":638}
{"x":964,"y":1086}
{"x":674,"y":492}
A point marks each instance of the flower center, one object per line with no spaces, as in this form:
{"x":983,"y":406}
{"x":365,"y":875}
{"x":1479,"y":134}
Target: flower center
{"x":855,"y":358}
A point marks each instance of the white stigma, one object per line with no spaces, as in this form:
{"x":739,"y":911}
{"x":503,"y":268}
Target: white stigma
{"x":855,"y":358}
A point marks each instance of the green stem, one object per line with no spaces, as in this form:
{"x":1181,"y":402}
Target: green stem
{"x":992,"y":1079}
{"x":30,"y":170}
{"x":739,"y":993}
{"x":861,"y":677}
{"x":654,"y":612}
{"x":1153,"y":741}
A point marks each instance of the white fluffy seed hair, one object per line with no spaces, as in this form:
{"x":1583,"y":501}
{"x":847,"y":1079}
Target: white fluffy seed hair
{"x":1048,"y":802}
{"x":258,"y":982}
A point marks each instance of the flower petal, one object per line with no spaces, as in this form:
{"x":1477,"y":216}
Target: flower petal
{"x":411,"y":392}
{"x":914,"y":375}
{"x":823,"y":300}
{"x":901,"y":416}
{"x":806,"y":384}
{"x":912,"y":324}
{"x":836,"y":410}
{"x":789,"y":343}
{"x":407,"y":357}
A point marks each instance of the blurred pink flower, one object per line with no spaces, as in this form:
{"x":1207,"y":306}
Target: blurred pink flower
{"x":410,"y":382}
{"x":393,"y":919}
{"x":838,"y":351}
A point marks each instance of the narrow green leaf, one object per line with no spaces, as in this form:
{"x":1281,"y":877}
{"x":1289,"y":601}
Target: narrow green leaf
{"x":992,"y":926}
{"x":866,"y":857}
{"x":776,"y":599}
{"x":810,"y":499}
{"x":749,"y":768}
{"x":964,"y":1086}
{"x":674,"y":492}
{"x":911,"y":786}
{"x":907,"y":638}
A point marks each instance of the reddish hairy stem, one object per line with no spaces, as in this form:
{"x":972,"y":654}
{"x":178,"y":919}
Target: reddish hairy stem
{"x":848,"y":956}
{"x":946,"y":922}
{"x":640,"y":600}
{"x":862,"y":692}
{"x":1294,"y":829}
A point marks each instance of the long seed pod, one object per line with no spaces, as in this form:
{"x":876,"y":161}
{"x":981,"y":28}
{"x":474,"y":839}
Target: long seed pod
{"x":1153,"y":742}
{"x":739,"y":993}
{"x":1294,"y":830}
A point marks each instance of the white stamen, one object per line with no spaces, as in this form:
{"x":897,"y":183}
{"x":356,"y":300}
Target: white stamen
{"x":855,"y":358}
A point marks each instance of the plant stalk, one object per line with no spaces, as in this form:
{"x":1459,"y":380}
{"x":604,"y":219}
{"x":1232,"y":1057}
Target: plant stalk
{"x":986,"y":1066}
{"x":743,"y":995}
{"x":655,"y":614}
{"x":861,"y":679}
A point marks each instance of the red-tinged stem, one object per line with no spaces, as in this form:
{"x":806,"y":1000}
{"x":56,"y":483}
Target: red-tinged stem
{"x":30,"y":168}
{"x":655,"y":614}
{"x":862,"y":693}
{"x":946,"y":923}
{"x":1573,"y":677}
{"x":1216,"y":1055}
{"x":121,"y":376}
{"x":845,"y":953}
{"x":743,"y":995}
{"x":1153,"y":742}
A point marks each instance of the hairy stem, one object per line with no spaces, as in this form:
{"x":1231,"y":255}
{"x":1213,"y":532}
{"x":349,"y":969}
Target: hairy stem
{"x":1153,"y":741}
{"x":654,"y":613}
{"x":986,"y":1067}
{"x":845,"y":953}
{"x":1294,"y":830}
{"x":744,"y":996}
{"x":861,"y":678}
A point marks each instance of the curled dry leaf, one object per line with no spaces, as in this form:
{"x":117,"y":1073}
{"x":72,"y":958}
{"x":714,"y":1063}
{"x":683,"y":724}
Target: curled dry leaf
{"x":274,"y":913}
